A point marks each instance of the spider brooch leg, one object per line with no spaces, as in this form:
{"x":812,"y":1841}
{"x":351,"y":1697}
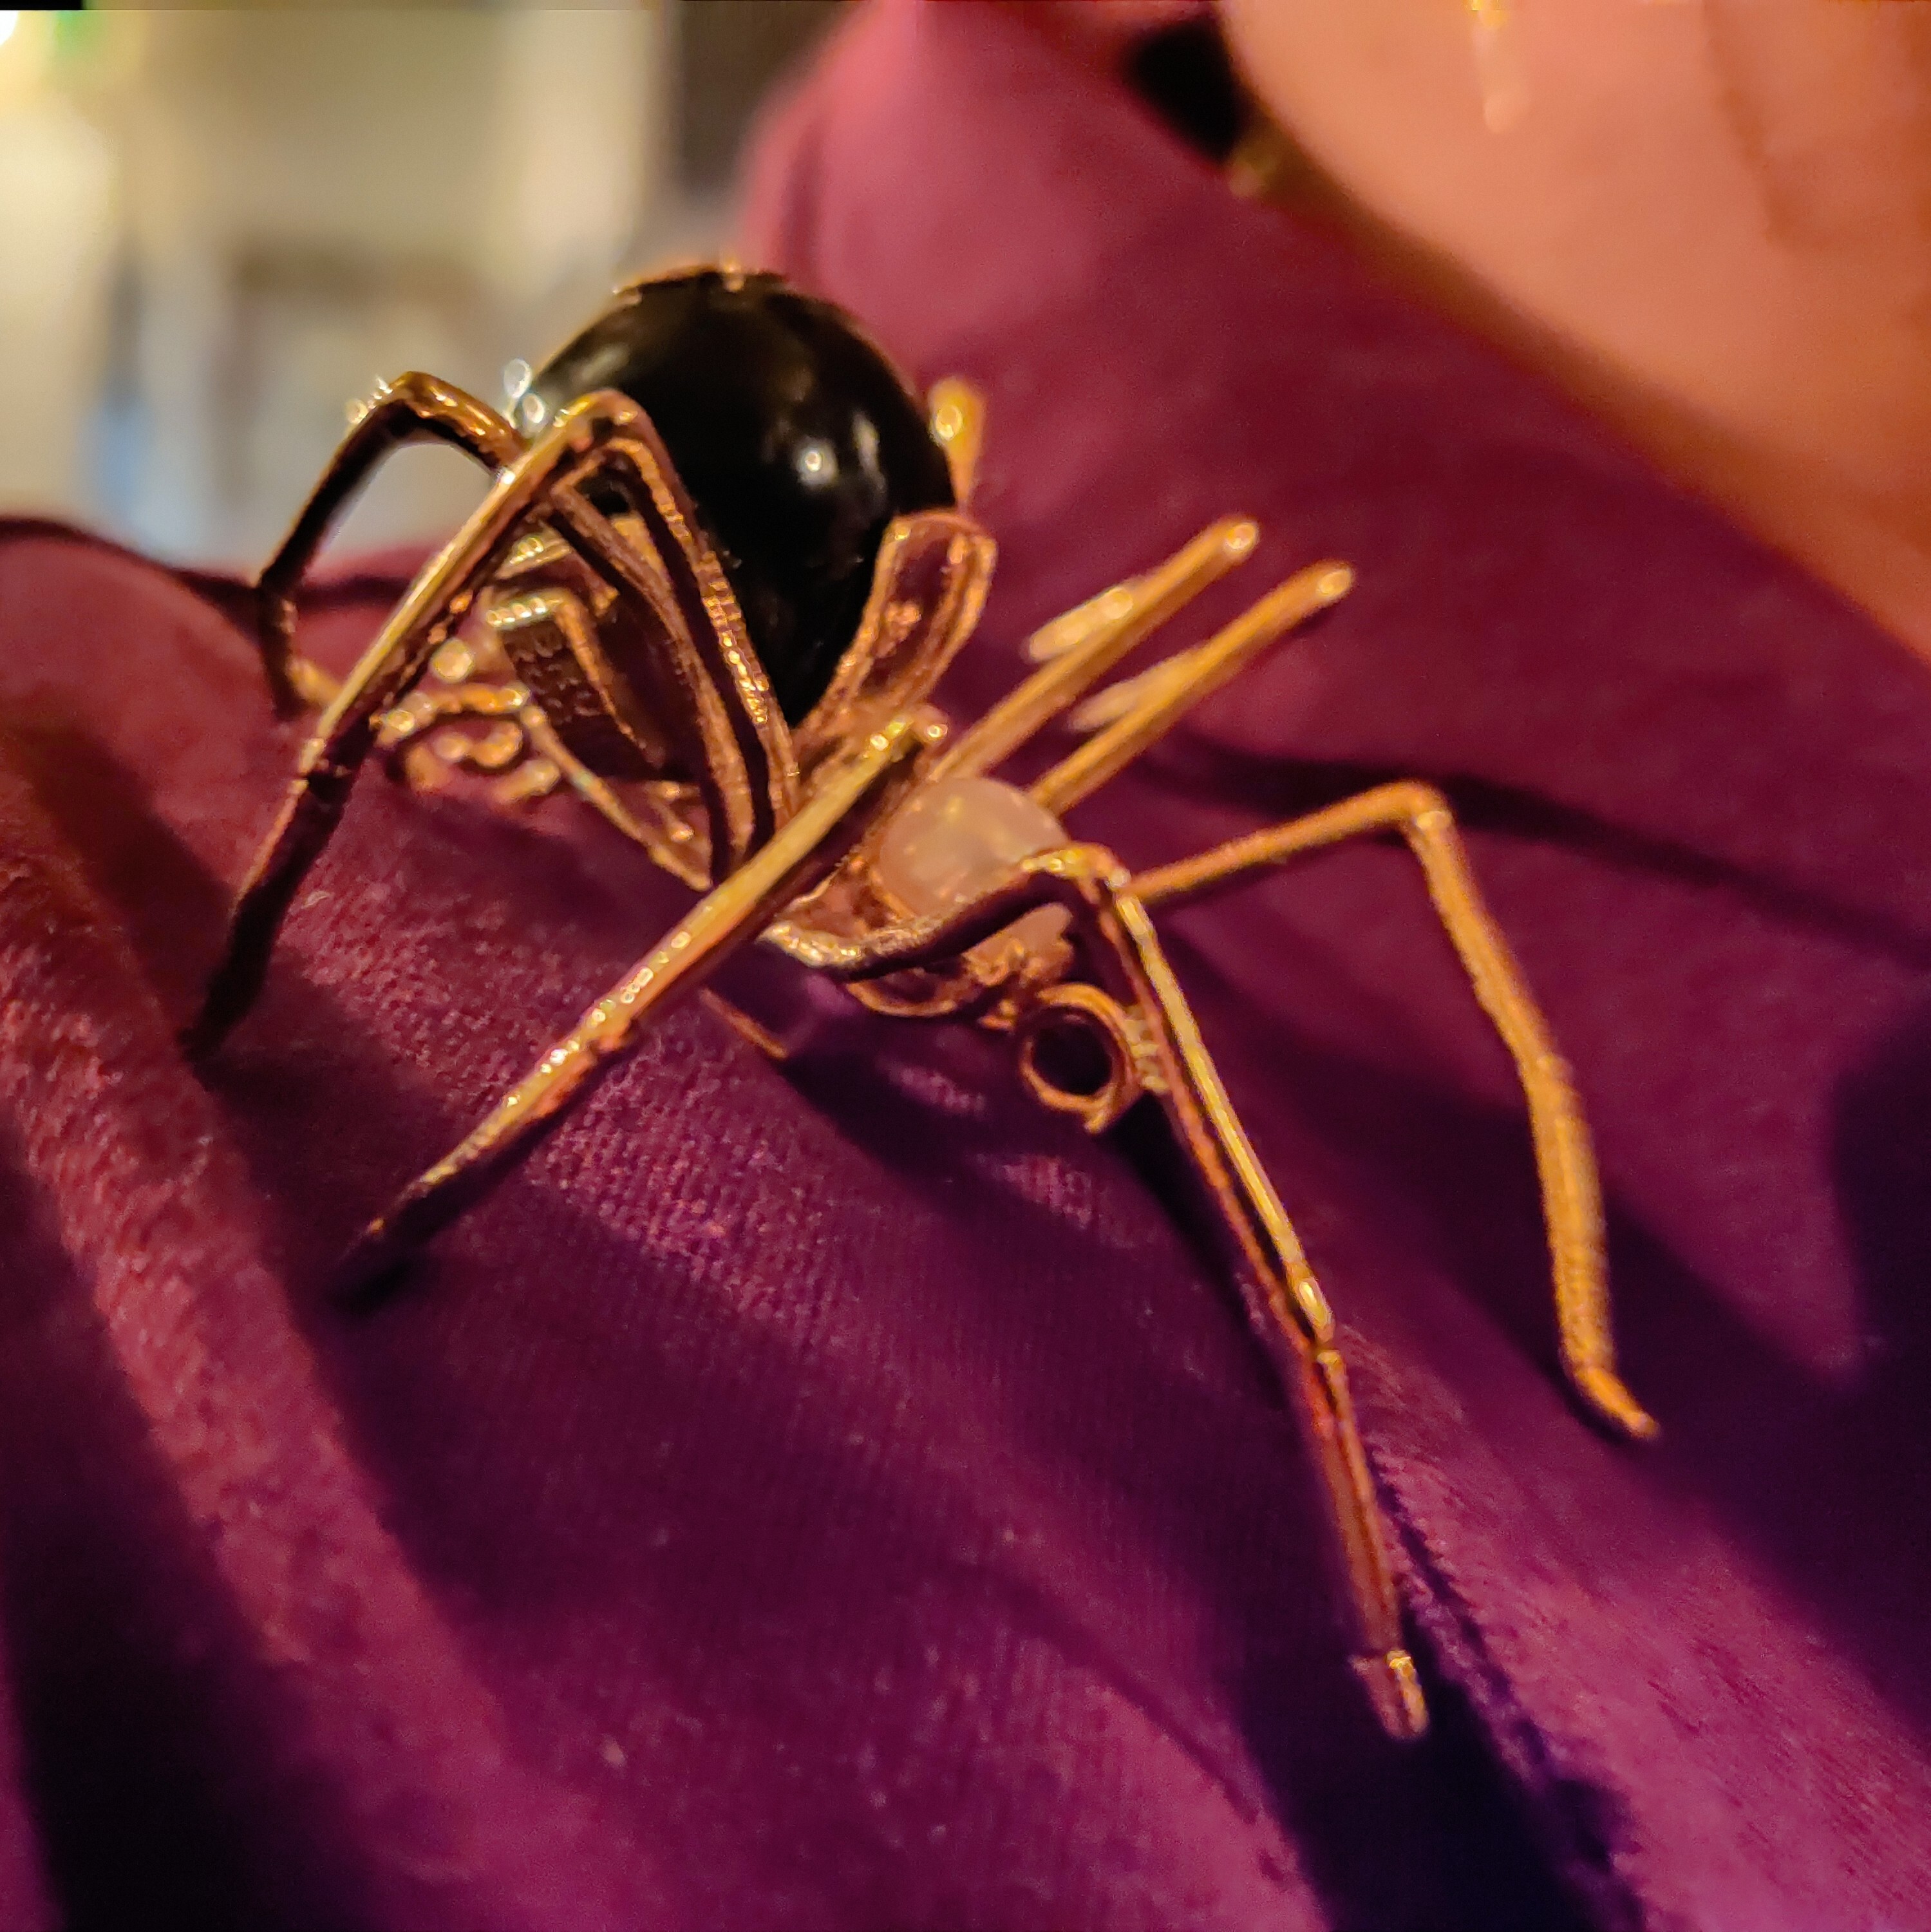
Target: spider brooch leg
{"x":1143,"y":709}
{"x":844,"y":803}
{"x":1142,"y":1019}
{"x":747,"y":773}
{"x":413,"y":408}
{"x":1565,"y":1165}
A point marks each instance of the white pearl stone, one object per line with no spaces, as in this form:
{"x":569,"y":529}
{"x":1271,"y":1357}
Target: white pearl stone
{"x":955,"y":837}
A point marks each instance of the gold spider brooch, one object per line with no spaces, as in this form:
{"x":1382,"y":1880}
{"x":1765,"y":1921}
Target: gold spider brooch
{"x":725,"y":559}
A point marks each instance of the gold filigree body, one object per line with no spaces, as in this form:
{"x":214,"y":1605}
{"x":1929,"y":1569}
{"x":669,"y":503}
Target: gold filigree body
{"x":554,"y":643}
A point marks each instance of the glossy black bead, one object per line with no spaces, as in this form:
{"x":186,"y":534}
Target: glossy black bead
{"x":797,"y":440}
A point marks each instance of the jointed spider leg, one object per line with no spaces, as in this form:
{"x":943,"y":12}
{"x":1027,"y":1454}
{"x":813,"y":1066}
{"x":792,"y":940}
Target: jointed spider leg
{"x":1293,"y":1314}
{"x":1171,"y":690}
{"x":1566,"y":1164}
{"x":840,"y":807}
{"x":1088,"y":642}
{"x":1209,"y":1129}
{"x":413,"y":408}
{"x":326,"y":768}
{"x":1572,"y":1196}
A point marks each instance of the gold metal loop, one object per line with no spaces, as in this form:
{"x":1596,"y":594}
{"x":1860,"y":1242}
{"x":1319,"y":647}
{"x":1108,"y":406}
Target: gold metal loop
{"x":1074,"y":1005}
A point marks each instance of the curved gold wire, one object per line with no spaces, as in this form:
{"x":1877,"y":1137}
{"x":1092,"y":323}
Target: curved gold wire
{"x":1074,"y":1004}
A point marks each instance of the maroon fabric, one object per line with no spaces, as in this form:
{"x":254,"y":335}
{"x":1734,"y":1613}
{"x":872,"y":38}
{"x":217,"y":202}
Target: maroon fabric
{"x":838,"y":1494}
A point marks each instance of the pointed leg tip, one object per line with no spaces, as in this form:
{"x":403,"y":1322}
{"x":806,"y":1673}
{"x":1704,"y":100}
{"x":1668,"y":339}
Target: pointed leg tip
{"x":1394,"y":1689}
{"x":371,"y":1266}
{"x":201,"y":1038}
{"x":223,"y":1007}
{"x":1611,"y":1402}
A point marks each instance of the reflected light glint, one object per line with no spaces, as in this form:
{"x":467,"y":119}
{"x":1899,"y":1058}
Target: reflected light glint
{"x":10,"y":19}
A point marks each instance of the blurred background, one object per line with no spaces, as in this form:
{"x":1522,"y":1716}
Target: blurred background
{"x":220,"y":227}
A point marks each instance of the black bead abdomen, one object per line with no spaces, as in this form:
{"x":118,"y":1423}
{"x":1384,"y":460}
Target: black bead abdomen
{"x":797,"y":442}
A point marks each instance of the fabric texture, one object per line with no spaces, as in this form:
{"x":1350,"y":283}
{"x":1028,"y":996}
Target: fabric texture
{"x":841,"y":1494}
